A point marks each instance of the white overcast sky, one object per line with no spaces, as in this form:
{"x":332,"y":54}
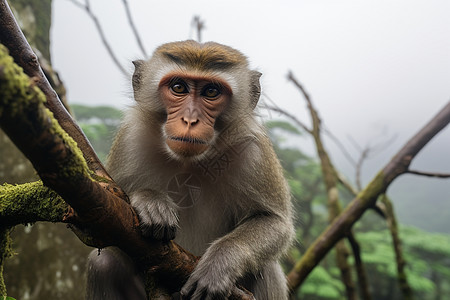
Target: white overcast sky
{"x":374,"y":69}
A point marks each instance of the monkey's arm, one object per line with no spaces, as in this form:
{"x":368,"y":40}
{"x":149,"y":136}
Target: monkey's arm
{"x":259,"y":239}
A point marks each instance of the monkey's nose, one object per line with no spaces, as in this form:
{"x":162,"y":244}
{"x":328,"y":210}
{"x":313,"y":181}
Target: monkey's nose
{"x":189,"y":121}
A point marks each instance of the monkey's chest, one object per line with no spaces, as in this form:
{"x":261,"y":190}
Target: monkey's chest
{"x":204,"y":216}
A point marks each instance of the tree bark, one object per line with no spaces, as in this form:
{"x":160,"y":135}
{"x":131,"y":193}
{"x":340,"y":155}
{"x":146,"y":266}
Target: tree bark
{"x":402,"y":278}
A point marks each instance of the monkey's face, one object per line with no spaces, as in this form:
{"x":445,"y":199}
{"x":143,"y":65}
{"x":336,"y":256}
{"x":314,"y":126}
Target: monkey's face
{"x":193,"y":103}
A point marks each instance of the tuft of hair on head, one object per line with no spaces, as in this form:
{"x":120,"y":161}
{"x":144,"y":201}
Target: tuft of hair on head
{"x":207,"y":56}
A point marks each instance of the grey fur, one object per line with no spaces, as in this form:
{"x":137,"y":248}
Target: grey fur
{"x":241,"y":221}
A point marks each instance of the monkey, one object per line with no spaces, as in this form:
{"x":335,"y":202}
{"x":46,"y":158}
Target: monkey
{"x":199,"y":168}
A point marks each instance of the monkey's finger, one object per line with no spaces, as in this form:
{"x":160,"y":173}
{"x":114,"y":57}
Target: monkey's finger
{"x":158,"y":231}
{"x":199,"y":294}
{"x":164,"y":232}
{"x":187,"y":290}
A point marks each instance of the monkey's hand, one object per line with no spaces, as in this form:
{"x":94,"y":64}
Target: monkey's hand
{"x":157,"y":213}
{"x":210,"y":280}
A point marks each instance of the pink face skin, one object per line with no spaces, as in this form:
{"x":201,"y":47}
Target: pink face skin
{"x":193,"y":103}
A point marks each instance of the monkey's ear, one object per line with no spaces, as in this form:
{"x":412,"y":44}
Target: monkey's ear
{"x":137,"y":75}
{"x":255,"y":88}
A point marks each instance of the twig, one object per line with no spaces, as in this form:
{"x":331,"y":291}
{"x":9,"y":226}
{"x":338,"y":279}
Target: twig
{"x":199,"y":25}
{"x":87,"y":8}
{"x":429,"y":174}
{"x":290,"y":116}
{"x":340,"y":146}
{"x":133,"y":28}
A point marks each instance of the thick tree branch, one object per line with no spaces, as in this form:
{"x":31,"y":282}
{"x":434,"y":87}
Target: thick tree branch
{"x":367,"y":198}
{"x":12,"y":37}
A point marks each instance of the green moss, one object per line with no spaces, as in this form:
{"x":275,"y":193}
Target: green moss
{"x":374,"y":188}
{"x":17,"y":96}
{"x":30,"y":202}
{"x":15,"y":85}
{"x":76,"y":165}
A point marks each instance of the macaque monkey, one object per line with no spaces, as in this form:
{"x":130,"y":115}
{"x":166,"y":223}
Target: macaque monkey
{"x":200,"y":169}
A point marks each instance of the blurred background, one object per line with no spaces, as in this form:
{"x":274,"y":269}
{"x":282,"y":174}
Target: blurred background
{"x":376,"y":72}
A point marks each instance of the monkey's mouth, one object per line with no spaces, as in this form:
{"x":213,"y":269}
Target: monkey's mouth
{"x":191,"y":140}
{"x":187,"y":146}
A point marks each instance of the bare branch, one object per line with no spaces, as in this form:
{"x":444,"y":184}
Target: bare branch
{"x":334,"y":207}
{"x":291,"y":77}
{"x":87,"y":8}
{"x":429,"y":174}
{"x":402,"y":276}
{"x":360,"y":268}
{"x":346,"y":184}
{"x":133,"y":28}
{"x":368,"y":197}
{"x":290,"y":116}
{"x":199,"y":25}
{"x":338,"y":143}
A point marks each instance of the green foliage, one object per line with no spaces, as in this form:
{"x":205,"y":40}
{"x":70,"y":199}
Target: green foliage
{"x":99,"y":124}
{"x":84,"y":113}
{"x":426,"y":254}
{"x":285,"y":126}
{"x":321,"y":285}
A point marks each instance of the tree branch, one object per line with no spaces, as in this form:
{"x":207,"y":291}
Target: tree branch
{"x":290,"y":116}
{"x":334,"y":207}
{"x":367,"y":198}
{"x":29,"y":203}
{"x":133,"y":28}
{"x":428,"y":174}
{"x":87,"y":8}
{"x":402,"y":277}
{"x":12,"y":37}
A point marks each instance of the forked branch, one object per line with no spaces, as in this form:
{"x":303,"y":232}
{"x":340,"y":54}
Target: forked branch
{"x":366,"y":199}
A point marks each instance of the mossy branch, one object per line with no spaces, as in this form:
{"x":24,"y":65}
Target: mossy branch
{"x":367,"y":198}
{"x":29,"y":203}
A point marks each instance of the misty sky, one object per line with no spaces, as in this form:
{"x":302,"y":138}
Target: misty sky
{"x":374,"y":69}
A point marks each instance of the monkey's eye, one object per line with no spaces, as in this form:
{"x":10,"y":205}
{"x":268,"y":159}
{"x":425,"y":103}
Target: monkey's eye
{"x":211,"y":91}
{"x":179,"y":88}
